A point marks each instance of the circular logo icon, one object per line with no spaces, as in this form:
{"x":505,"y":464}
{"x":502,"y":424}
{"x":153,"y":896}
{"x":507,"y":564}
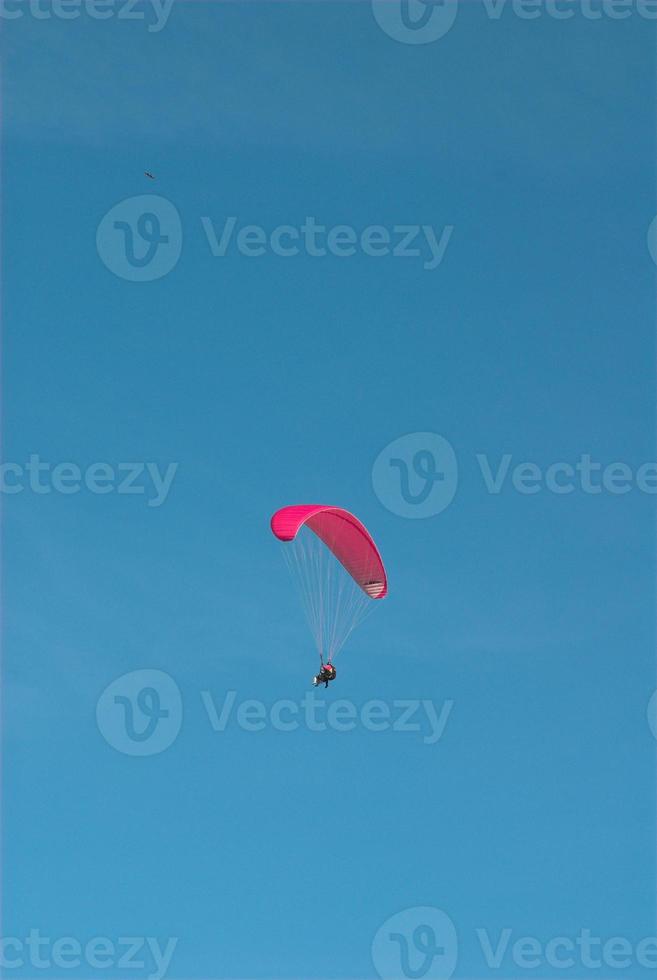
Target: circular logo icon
{"x":652,"y":239}
{"x":652,"y":714}
{"x":416,"y":944}
{"x":416,"y":475}
{"x":140,"y":713}
{"x":140,"y":239}
{"x":415,"y":21}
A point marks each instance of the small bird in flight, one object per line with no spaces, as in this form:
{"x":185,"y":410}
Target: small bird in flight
{"x":149,"y":175}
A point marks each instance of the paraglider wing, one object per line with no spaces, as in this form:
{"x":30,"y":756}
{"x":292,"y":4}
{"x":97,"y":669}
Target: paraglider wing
{"x":347,"y":538}
{"x":336,"y":566}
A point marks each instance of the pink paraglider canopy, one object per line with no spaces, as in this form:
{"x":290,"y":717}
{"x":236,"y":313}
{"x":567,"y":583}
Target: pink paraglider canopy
{"x":344,"y":535}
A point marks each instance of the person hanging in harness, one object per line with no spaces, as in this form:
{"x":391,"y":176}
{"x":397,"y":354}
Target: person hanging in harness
{"x":326,"y":674}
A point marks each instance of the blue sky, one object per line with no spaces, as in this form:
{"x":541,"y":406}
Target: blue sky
{"x":276,"y":380}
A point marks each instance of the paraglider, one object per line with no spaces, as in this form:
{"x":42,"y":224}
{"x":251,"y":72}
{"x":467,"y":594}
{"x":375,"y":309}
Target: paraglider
{"x":338,"y":569}
{"x":327,"y":673}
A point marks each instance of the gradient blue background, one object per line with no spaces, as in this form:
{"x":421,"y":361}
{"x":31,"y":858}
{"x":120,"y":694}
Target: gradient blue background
{"x":275,"y":380}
